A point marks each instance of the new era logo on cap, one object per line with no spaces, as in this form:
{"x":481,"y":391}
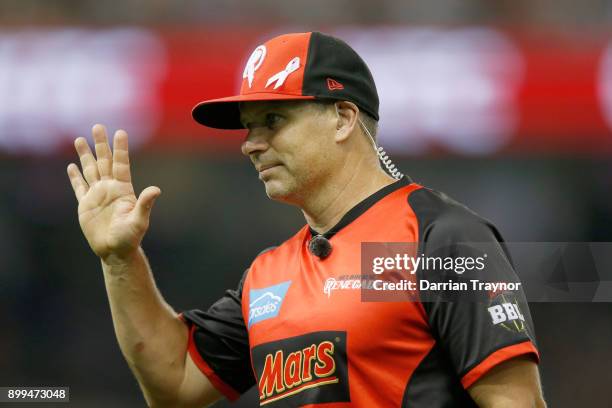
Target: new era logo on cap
{"x":333,"y":85}
{"x":297,"y":66}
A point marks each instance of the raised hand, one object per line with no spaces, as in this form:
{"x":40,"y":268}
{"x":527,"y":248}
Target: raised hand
{"x":112,"y":219}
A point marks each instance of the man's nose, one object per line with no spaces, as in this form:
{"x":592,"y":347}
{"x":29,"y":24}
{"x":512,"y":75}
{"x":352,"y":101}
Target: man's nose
{"x":254,"y":143}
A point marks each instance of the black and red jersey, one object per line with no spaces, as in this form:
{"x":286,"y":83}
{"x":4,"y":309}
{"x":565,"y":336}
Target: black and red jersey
{"x":298,"y":328}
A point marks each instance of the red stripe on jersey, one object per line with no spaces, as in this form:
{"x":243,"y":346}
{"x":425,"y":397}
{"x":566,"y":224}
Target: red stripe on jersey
{"x":217,"y":382}
{"x":498,"y":357}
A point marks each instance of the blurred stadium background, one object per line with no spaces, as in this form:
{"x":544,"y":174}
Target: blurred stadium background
{"x":504,"y":105}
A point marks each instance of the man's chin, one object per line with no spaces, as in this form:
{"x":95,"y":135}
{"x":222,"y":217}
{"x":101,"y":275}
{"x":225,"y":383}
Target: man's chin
{"x":277,"y":191}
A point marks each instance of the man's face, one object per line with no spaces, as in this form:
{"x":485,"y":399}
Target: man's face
{"x":291,"y":144}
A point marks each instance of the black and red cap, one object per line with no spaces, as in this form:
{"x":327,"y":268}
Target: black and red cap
{"x":299,"y":66}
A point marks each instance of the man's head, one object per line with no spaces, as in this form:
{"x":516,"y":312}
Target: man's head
{"x":308,"y":100}
{"x":296,"y":146}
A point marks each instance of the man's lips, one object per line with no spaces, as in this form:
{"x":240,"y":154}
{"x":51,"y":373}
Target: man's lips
{"x":264,"y":167}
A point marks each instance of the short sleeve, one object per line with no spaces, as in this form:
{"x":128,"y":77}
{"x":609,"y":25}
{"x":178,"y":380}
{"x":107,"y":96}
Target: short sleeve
{"x":219,"y":343}
{"x":483,"y":326}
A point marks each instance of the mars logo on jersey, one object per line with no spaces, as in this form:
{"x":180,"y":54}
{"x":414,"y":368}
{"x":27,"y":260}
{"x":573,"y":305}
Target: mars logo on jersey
{"x":308,"y":369}
{"x":266,"y":303}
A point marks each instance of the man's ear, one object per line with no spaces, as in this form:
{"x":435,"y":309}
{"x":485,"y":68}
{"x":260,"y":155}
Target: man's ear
{"x":347,"y":114}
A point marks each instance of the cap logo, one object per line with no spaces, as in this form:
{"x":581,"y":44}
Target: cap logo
{"x":253,"y":64}
{"x":280,"y":77}
{"x":334,"y":85}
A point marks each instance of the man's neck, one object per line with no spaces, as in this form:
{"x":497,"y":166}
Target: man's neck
{"x":325,"y":210}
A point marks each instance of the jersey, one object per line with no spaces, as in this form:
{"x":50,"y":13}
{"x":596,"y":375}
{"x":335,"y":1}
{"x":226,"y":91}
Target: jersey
{"x":298,"y":328}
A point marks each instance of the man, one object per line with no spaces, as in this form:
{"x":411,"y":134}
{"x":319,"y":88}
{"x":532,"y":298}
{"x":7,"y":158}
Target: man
{"x":294,"y":327}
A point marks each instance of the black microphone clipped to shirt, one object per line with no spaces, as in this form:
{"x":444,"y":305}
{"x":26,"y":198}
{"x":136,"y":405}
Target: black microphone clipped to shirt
{"x":320,"y":246}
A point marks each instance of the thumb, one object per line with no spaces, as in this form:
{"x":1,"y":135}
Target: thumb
{"x":145,"y":202}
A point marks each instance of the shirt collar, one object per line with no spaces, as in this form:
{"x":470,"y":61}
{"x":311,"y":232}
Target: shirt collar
{"x":363,"y":206}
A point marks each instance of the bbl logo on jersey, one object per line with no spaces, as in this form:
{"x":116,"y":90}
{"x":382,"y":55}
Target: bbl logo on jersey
{"x":505,"y":312}
{"x":266,"y":303}
{"x":307,"y":369}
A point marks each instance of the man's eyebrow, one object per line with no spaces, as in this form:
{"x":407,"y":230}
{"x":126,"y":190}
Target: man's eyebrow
{"x":245,"y":118}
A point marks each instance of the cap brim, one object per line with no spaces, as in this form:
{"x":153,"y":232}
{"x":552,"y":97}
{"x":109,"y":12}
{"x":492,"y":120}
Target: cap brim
{"x":224,"y":113}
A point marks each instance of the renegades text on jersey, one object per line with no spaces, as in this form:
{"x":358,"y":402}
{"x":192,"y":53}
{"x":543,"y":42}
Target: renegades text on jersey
{"x":301,"y":346}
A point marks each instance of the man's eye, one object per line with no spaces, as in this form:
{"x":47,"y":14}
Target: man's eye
{"x":272,"y":119}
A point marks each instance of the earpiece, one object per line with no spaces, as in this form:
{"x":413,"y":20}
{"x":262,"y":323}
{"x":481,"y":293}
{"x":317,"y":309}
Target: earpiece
{"x":380,"y":151}
{"x":382,"y":155}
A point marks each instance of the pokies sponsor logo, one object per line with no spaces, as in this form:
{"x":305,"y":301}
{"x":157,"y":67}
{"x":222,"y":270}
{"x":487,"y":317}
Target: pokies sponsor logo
{"x":307,"y":369}
{"x":266,"y":303}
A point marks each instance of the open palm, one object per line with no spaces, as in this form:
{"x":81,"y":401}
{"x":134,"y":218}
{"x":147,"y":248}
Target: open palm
{"x":113,"y":220}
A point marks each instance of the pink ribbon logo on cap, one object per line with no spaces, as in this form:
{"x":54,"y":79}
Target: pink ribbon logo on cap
{"x":280,"y":78}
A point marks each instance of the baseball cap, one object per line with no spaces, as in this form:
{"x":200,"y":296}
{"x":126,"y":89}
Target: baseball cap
{"x":297,"y":66}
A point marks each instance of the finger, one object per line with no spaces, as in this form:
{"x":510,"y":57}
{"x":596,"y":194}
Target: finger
{"x":77,"y":181}
{"x":145,"y":202}
{"x":103,"y":152}
{"x":88,"y":162}
{"x":121,"y":157}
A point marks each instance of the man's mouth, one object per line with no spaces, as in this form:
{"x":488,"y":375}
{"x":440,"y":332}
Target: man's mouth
{"x":264,"y":167}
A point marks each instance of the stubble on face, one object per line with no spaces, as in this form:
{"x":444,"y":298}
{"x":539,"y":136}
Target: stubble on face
{"x":298,"y":145}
